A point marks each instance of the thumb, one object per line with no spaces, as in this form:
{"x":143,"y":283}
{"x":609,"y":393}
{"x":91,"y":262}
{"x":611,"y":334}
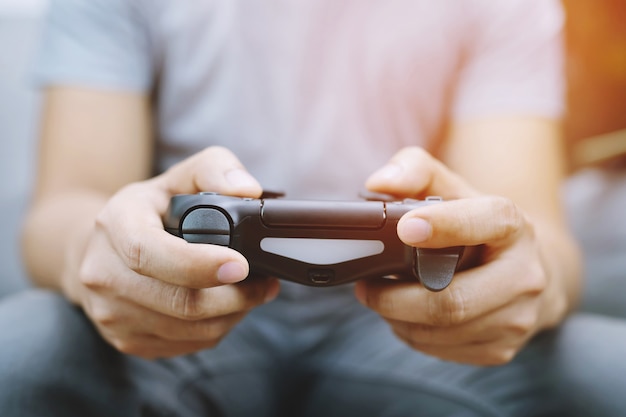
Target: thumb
{"x":414,"y":172}
{"x":214,"y":169}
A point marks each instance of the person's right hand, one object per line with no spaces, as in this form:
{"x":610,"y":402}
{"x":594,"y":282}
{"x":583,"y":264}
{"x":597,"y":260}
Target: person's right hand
{"x":152,"y":294}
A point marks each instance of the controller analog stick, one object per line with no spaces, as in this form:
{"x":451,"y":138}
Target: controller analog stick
{"x":206,"y":225}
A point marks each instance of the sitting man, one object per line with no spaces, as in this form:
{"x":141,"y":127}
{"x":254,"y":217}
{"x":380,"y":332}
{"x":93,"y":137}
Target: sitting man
{"x":148,"y":99}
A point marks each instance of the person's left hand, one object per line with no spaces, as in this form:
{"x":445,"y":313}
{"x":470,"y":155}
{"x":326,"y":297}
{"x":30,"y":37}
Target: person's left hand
{"x":489,"y":312}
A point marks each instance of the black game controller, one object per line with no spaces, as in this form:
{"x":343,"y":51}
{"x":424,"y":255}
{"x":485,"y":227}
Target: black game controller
{"x":316,"y":243}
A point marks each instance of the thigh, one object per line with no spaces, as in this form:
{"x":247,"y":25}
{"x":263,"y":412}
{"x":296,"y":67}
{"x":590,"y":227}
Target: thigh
{"x":595,"y":199}
{"x":590,"y":367}
{"x":365,"y":370}
{"x":54,"y":363}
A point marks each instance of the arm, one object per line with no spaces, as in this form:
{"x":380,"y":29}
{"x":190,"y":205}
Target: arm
{"x":504,"y":147}
{"x":527,"y":276}
{"x":523,"y":158}
{"x":95,"y":231}
{"x":92,"y":143}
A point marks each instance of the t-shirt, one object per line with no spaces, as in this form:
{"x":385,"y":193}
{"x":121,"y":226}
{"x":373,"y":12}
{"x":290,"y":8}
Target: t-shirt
{"x":312,"y":95}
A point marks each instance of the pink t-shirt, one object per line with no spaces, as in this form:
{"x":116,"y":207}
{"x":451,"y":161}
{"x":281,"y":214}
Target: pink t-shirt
{"x":312,"y":95}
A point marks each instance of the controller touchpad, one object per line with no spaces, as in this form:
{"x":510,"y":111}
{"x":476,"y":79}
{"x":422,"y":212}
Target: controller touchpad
{"x":322,"y":251}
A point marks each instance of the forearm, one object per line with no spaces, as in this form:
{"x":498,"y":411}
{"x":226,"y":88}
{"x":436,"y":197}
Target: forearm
{"x":522,"y":159}
{"x":55,"y":233}
{"x":93,"y":142}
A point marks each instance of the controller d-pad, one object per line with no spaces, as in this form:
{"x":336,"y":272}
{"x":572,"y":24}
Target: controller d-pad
{"x":206,"y":225}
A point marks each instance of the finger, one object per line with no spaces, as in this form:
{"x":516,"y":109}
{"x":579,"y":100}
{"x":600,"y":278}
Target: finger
{"x":480,"y":354}
{"x":214,"y":169}
{"x":472,"y":294}
{"x":126,"y":318}
{"x":139,"y":239}
{"x":198,"y":304}
{"x":195,"y":331}
{"x":514,"y":322}
{"x":170,"y":259}
{"x":413,"y":172}
{"x":152,"y":347}
{"x":173,"y":300}
{"x":465,"y":222}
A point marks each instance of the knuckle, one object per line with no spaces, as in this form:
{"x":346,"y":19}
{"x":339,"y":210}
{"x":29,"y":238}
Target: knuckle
{"x":421,"y":334}
{"x":536,"y":278}
{"x":207,"y":332}
{"x":383,"y":304}
{"x":104,"y":315}
{"x":186,"y":303}
{"x":523,"y":324}
{"x":135,"y":348}
{"x":214,"y":331}
{"x":509,"y":217}
{"x":408,"y":337}
{"x":214,"y":340}
{"x":500,"y":356}
{"x":530,"y":227}
{"x":91,"y":276}
{"x":447,"y":308}
{"x":134,"y":254}
{"x":100,"y":221}
{"x":412,"y":343}
{"x":125,"y":346}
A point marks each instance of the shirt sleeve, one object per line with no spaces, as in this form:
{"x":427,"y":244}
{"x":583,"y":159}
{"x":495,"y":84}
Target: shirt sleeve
{"x":94,"y":43}
{"x":514,"y":62}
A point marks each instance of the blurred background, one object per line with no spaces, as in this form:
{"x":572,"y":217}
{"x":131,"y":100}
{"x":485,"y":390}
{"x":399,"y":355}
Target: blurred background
{"x":596,"y":40}
{"x":19,"y":29}
{"x":595,"y":128}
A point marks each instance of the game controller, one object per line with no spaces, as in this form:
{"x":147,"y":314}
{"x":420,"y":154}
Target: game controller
{"x":315,"y":243}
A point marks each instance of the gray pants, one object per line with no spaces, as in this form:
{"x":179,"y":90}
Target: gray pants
{"x":338,"y":359}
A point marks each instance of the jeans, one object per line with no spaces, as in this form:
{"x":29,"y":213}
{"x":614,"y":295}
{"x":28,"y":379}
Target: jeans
{"x":328,"y":357}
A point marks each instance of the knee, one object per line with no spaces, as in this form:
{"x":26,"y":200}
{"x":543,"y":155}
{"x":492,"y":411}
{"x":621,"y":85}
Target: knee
{"x":590,"y":370}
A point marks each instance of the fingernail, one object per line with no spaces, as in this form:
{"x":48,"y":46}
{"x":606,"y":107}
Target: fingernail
{"x":388,"y":172}
{"x":415,"y":230}
{"x":240,"y":178}
{"x":231,"y":272}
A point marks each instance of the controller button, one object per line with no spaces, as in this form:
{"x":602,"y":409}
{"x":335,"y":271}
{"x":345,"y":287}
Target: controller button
{"x":321,"y":276}
{"x":206,"y":225}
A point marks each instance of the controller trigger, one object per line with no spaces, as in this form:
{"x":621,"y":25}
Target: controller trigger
{"x":372,"y":196}
{"x":271,"y":194}
{"x":435,"y":267}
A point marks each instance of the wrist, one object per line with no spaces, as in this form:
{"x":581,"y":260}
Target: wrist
{"x":564,"y":268}
{"x":55,"y":237}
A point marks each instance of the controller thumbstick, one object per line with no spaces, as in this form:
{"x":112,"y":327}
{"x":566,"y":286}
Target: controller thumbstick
{"x":206,"y":225}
